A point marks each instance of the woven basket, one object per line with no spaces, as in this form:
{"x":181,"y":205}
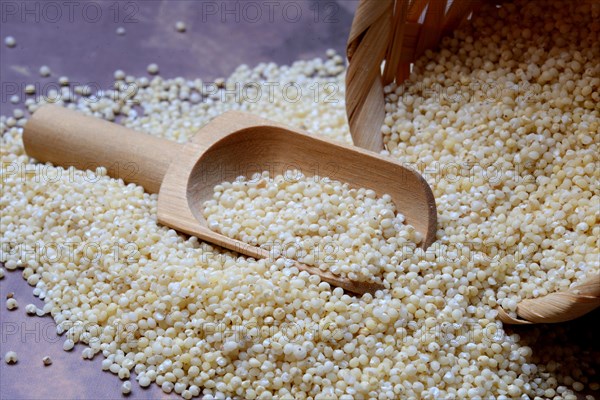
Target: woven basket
{"x":397,"y":32}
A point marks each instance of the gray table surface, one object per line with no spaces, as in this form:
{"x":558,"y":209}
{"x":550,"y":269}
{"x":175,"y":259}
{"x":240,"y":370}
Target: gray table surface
{"x":81,"y":43}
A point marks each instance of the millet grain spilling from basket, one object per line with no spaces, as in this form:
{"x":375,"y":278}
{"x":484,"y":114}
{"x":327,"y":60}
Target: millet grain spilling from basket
{"x":504,"y":121}
{"x":194,"y":319}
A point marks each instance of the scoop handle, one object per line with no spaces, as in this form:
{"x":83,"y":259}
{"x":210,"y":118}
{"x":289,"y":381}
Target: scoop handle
{"x":68,"y":138}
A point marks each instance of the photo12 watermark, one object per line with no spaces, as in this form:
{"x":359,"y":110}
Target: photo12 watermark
{"x":258,"y":91}
{"x":72,"y":172}
{"x":242,"y":11}
{"x":21,"y":255}
{"x":490,"y":173}
{"x":472,"y":92}
{"x":61,"y":12}
{"x":206,"y":92}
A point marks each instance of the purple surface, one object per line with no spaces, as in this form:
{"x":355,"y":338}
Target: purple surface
{"x":77,"y":42}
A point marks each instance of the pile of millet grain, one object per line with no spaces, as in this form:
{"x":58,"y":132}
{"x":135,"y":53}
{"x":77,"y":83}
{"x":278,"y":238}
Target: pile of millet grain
{"x":515,"y":175}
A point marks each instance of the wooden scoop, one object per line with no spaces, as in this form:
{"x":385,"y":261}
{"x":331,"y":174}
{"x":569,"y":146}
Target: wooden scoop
{"x":231,"y":145}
